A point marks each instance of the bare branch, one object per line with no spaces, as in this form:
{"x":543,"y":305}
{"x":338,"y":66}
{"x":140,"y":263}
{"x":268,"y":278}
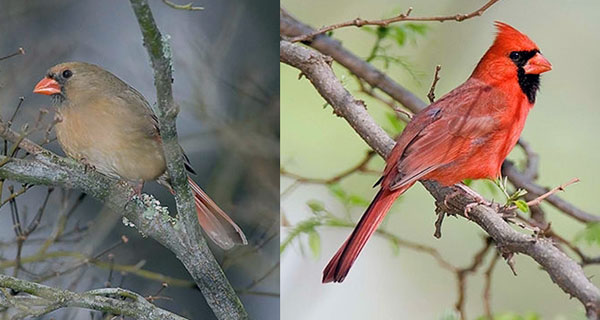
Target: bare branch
{"x":359,"y":167}
{"x":358,"y":22}
{"x":47,"y":299}
{"x":554,"y":190}
{"x":18,"y":52}
{"x":188,"y":6}
{"x":290,"y":27}
{"x":201,"y":264}
{"x":519,"y":181}
{"x":436,"y":78}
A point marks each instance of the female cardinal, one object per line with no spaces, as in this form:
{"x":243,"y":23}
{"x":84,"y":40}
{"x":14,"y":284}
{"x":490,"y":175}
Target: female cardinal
{"x":110,"y":126}
{"x":466,"y":134}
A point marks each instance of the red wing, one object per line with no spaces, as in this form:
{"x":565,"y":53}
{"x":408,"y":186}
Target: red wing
{"x":443,"y":132}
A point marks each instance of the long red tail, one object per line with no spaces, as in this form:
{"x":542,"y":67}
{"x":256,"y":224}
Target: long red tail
{"x":216,"y":223}
{"x":339,"y":266}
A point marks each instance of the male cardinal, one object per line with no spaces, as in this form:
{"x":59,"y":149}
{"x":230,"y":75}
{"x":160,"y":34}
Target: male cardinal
{"x":109,"y":126}
{"x":466,"y":134}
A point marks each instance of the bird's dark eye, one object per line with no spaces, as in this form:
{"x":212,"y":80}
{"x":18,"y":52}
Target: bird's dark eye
{"x":67,"y":73}
{"x":515,"y":55}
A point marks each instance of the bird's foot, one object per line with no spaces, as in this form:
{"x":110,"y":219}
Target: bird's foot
{"x":137,"y":190}
{"x":449,"y":196}
{"x":88,"y":166}
{"x":479,"y":200}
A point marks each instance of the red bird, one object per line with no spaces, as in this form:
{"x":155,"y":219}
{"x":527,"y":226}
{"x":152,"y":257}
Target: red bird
{"x":466,"y":134}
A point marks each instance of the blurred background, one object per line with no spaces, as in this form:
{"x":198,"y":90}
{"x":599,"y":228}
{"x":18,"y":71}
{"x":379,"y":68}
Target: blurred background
{"x":226,"y":83}
{"x":398,"y":283}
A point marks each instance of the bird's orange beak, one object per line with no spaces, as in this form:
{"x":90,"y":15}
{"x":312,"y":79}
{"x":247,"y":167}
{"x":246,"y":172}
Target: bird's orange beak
{"x":47,"y":86}
{"x":537,"y":64}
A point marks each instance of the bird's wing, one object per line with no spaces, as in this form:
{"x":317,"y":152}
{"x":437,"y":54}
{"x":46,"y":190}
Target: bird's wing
{"x":443,"y":132}
{"x":142,"y":108}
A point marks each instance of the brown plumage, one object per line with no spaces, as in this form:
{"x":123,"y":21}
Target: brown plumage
{"x":110,"y":126}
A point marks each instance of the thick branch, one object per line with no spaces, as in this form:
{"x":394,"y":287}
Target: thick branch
{"x":47,"y":299}
{"x":198,"y":259}
{"x":565,"y":272}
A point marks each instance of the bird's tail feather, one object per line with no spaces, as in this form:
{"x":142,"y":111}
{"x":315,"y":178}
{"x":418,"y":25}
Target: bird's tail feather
{"x":339,"y":266}
{"x":216,"y":223}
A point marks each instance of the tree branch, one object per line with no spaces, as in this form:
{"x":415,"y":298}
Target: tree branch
{"x":565,"y":272}
{"x":358,"y":22}
{"x":41,"y":299}
{"x":201,"y":264}
{"x":289,"y":26}
{"x":188,"y":6}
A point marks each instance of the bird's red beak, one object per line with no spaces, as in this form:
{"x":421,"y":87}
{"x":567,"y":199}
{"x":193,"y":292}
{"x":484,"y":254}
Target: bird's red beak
{"x":47,"y":86}
{"x":537,"y":64}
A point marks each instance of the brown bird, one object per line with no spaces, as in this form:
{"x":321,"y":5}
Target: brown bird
{"x":110,"y":127}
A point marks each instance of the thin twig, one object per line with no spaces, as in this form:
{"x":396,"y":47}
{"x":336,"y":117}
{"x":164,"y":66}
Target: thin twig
{"x":461,"y":277}
{"x":361,"y":166}
{"x":390,"y":102}
{"x":358,"y":22}
{"x":487,"y":289}
{"x":552,"y":191}
{"x":436,"y":78}
{"x":12,"y":117}
{"x":188,"y":6}
{"x":18,"y":52}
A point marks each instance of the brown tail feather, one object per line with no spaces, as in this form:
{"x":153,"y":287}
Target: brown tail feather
{"x":339,"y":266}
{"x":216,"y":223}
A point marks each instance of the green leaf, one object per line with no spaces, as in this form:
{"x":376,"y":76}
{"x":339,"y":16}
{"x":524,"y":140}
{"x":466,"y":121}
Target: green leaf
{"x":519,"y":193}
{"x":591,"y":233}
{"x":307,"y":226}
{"x":382,"y":32}
{"x":358,"y":201}
{"x":314,"y":242}
{"x":420,"y":29}
{"x":316,"y":206}
{"x":449,"y":315}
{"x":395,"y":246}
{"x":369,"y":29}
{"x":513,"y":316}
{"x":399,"y":35}
{"x":522,"y":205}
{"x":467,"y":182}
{"x":338,"y":192}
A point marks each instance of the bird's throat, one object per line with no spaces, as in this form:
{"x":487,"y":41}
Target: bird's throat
{"x":529,"y":84}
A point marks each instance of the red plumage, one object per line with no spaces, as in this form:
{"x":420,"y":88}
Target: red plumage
{"x":466,"y":134}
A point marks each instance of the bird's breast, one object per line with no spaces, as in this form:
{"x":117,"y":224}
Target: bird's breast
{"x":111,"y":142}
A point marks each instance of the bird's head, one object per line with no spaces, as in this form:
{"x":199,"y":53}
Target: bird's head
{"x":513,"y":57}
{"x":67,"y":79}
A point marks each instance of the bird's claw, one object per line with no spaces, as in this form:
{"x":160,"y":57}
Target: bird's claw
{"x":450,"y":196}
{"x":137,"y":190}
{"x":88,"y":167}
